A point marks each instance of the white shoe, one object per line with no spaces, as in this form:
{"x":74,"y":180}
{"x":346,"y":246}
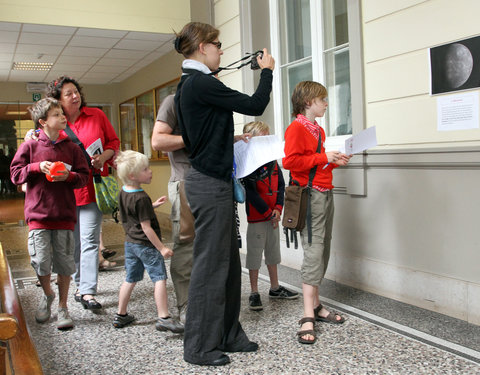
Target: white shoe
{"x":44,"y":308}
{"x":64,"y":321}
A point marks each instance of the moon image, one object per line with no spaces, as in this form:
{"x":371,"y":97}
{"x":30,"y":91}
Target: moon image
{"x":458,"y":65}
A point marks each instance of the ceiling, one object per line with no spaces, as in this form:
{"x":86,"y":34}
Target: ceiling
{"x":92,"y":56}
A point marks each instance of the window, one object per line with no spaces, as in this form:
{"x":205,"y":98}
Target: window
{"x":145,"y":121}
{"x":311,"y":39}
{"x":127,"y":125}
{"x":137,"y":119}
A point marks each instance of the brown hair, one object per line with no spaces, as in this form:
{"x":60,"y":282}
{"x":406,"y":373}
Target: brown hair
{"x":192,"y":34}
{"x":256,"y":128}
{"x":304,"y":94}
{"x":39,"y":111}
{"x":54,"y":88}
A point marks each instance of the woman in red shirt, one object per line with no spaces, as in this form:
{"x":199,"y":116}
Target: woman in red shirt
{"x":89,"y":125}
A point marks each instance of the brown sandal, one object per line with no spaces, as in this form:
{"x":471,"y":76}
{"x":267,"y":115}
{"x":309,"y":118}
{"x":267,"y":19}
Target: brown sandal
{"x":330,"y":318}
{"x":304,"y":332}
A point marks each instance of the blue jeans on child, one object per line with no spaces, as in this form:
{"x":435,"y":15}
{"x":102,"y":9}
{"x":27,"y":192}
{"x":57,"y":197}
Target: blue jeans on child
{"x":139,"y":258}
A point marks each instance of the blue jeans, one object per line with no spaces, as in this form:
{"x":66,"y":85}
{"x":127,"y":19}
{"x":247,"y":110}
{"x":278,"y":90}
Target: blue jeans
{"x":87,"y":240}
{"x":139,"y":258}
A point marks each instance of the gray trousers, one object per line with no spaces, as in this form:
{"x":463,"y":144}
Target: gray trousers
{"x":317,"y":254}
{"x":87,"y":239}
{"x":212,"y":325}
{"x":182,"y":260}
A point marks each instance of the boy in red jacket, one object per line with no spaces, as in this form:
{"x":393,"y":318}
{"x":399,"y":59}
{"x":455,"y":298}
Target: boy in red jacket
{"x":265,"y":189}
{"x":50,"y":208}
{"x":309,"y":101}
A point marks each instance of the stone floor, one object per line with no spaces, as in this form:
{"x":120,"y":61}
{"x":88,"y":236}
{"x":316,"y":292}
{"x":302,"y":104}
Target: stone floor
{"x":380,"y":336}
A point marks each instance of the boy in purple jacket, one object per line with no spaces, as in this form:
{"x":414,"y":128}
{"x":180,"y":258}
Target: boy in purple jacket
{"x":50,"y":208}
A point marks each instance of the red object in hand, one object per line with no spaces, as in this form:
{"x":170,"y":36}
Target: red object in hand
{"x":56,"y":170}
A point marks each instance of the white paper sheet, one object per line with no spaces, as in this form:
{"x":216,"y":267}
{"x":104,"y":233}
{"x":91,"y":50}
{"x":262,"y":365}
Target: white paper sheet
{"x":256,"y":152}
{"x":458,"y":112}
{"x":362,"y":141}
{"x":96,"y":148}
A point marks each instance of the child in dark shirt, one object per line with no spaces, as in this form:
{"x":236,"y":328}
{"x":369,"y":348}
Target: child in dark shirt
{"x":143,"y":246}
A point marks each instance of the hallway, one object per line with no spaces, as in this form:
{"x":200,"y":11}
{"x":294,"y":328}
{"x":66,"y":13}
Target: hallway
{"x":380,"y":336}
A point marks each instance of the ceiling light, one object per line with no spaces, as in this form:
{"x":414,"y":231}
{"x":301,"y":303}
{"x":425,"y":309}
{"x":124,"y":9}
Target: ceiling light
{"x":16,"y":112}
{"x":31,"y":66}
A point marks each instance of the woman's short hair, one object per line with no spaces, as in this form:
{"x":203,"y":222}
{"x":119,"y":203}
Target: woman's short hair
{"x":39,"y":111}
{"x":188,"y":40}
{"x":129,"y":163}
{"x":256,"y":128}
{"x":304,"y":94}
{"x":54,"y":88}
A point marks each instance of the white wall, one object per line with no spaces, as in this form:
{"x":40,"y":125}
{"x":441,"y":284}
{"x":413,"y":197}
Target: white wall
{"x":412,"y":233}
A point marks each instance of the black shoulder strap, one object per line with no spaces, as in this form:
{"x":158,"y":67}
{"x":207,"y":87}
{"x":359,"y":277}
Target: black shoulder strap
{"x":310,"y":180}
{"x":77,"y":141}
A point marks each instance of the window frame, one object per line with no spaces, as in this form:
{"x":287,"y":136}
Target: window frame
{"x":318,"y":62}
{"x":155,"y":155}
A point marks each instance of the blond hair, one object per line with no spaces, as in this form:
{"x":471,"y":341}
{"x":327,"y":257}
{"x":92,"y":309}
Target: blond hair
{"x":129,"y":163}
{"x":256,"y":128}
{"x":304,"y":94}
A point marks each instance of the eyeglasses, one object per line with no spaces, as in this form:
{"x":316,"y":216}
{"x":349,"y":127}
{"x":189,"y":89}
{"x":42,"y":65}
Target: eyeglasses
{"x":217,"y":44}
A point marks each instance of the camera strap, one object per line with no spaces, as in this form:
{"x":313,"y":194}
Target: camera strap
{"x":230,"y":67}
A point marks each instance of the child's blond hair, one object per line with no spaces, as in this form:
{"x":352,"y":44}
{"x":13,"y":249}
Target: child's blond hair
{"x":256,"y":128}
{"x":129,"y":163}
{"x":39,"y":111}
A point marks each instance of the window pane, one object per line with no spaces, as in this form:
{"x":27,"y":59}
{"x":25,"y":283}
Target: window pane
{"x":145,"y":123}
{"x":339,"y":117}
{"x":292,"y":75}
{"x":162,"y":92}
{"x":335,"y":23}
{"x":127,"y":125}
{"x":296,"y":41}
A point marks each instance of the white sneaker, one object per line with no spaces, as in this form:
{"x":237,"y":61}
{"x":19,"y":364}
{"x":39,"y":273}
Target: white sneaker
{"x":64,"y":321}
{"x":44,"y":308}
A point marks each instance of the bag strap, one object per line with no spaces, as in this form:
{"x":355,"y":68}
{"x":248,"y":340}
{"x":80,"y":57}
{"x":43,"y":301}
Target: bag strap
{"x":309,"y":199}
{"x":77,"y":141}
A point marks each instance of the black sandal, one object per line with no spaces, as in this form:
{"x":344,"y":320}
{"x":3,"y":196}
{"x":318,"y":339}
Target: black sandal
{"x":106,"y":253}
{"x":330,"y":318}
{"x":77,"y":296}
{"x":90,"y":304}
{"x":304,"y":332}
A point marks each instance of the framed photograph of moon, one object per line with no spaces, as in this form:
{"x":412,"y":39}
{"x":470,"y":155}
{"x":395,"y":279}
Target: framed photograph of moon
{"x":455,"y":66}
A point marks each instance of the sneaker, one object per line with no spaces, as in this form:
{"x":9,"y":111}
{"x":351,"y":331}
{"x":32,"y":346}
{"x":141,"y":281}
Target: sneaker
{"x":255,"y":302}
{"x":283,"y":293}
{"x":121,"y":321}
{"x":64,"y":321}
{"x":170,"y":324}
{"x":44,"y":308}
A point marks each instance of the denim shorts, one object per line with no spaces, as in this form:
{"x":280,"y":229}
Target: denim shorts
{"x":139,"y":258}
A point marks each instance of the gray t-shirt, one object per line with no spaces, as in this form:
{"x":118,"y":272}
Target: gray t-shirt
{"x":178,"y":159}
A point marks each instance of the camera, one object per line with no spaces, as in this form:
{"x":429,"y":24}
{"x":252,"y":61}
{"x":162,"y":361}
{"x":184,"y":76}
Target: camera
{"x":253,"y":62}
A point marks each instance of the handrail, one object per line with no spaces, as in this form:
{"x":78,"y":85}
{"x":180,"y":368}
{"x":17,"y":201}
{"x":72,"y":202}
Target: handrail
{"x":21,"y":349}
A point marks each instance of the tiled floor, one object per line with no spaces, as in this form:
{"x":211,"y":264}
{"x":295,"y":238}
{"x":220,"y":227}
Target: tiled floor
{"x":380,"y":336}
